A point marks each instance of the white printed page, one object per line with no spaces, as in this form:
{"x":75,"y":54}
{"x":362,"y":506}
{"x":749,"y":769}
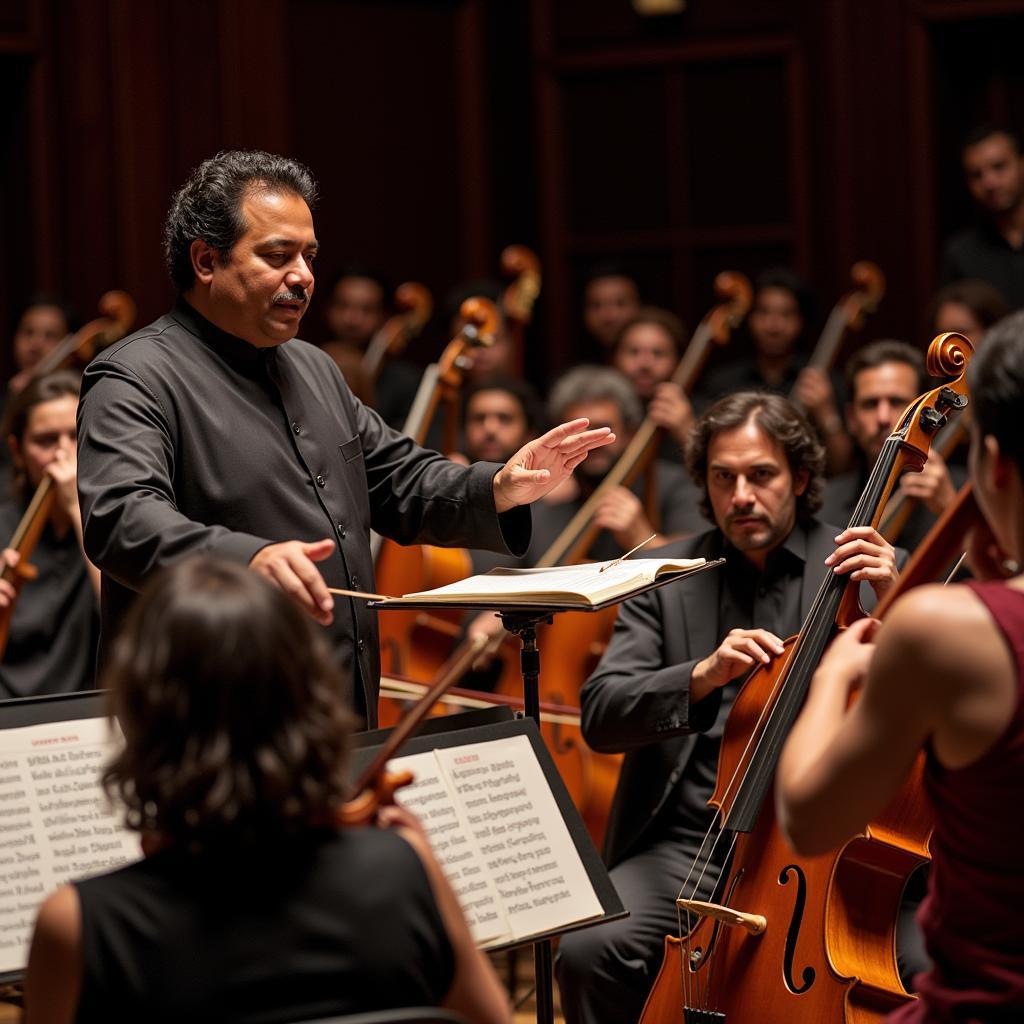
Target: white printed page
{"x":455,"y":846}
{"x":524,"y":841}
{"x":587,"y":579}
{"x":55,"y":824}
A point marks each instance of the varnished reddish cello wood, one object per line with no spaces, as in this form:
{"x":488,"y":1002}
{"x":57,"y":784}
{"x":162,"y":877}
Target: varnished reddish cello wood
{"x":828,"y":952}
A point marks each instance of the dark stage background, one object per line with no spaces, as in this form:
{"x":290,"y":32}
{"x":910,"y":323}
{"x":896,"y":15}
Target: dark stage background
{"x":737,"y":134}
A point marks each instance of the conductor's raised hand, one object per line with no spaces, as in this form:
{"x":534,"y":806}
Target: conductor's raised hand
{"x":290,"y":566}
{"x":542,"y":464}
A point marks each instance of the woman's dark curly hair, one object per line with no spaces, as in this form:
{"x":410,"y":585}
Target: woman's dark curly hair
{"x":231,"y":709}
{"x":782,"y":422}
{"x":209,"y":204}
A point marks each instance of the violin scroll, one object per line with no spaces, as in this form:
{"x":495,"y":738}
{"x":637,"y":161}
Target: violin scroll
{"x":949,"y":354}
{"x":481,"y":316}
{"x":415,"y":300}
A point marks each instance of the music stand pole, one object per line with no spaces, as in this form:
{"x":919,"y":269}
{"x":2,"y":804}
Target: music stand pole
{"x":524,"y":625}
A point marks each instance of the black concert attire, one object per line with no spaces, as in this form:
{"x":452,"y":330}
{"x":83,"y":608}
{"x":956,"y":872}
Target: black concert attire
{"x":51,"y":647}
{"x":638,"y":703}
{"x":843,"y":492}
{"x":323,"y":924}
{"x":395,"y":390}
{"x":982,"y":252}
{"x":192,"y":440}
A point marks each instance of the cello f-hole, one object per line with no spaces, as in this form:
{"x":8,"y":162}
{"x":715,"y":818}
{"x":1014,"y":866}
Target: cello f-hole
{"x":808,"y":975}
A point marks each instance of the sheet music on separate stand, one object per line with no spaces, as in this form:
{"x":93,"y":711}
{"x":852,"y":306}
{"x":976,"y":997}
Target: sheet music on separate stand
{"x":55,"y":823}
{"x":503,"y":827}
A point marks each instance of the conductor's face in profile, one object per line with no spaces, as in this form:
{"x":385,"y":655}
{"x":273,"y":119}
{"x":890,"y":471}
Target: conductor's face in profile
{"x":260,"y":290}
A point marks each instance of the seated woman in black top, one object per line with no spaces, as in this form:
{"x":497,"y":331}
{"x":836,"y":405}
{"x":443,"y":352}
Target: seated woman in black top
{"x":54,"y":625}
{"x":251,"y":904}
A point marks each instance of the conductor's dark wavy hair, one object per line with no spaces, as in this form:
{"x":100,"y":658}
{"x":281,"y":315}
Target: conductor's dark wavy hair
{"x":231,"y":708}
{"x":209,"y":204}
{"x":780,"y":419}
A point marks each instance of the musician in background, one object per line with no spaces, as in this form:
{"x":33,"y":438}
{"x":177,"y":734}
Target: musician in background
{"x":677,"y":657}
{"x":882,"y":380}
{"x":40,"y":326}
{"x":497,"y":358}
{"x":969,"y":307}
{"x":943,"y":676}
{"x":993,"y":248}
{"x":359,"y":304}
{"x":647,"y":351}
{"x":611,"y":297}
{"x":253,"y":903}
{"x":782,"y":311}
{"x":607,"y":398}
{"x":54,"y":621}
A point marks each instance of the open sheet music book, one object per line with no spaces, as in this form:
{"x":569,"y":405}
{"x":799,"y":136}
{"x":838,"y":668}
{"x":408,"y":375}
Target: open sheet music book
{"x":565,"y":586}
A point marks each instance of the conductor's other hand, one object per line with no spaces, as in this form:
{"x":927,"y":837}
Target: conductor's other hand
{"x":289,"y":565}
{"x":541,"y":465}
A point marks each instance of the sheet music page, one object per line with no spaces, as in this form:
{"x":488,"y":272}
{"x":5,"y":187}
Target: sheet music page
{"x":526,"y":846}
{"x":433,"y":801}
{"x":586,"y":579}
{"x":55,"y":824}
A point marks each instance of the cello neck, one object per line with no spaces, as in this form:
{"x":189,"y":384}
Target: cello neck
{"x":574,"y":541}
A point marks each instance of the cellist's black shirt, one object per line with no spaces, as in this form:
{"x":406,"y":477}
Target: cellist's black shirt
{"x":192,"y":440}
{"x":747,"y":599}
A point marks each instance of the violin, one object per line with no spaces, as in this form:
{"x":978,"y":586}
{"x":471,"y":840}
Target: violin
{"x":413,"y":307}
{"x":848,"y":314}
{"x":118,"y":309}
{"x":803,"y":939}
{"x":83,"y":344}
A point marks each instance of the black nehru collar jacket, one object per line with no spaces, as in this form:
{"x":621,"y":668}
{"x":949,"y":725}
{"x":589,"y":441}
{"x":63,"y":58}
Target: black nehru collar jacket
{"x":192,"y":440}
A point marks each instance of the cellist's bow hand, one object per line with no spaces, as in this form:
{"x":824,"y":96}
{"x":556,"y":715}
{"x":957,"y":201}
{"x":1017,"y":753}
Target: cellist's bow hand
{"x":8,"y":593}
{"x":542,"y":464}
{"x":862,"y":553}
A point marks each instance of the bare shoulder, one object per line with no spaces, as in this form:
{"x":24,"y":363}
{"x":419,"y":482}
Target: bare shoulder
{"x":938,"y":626}
{"x":60,"y":916}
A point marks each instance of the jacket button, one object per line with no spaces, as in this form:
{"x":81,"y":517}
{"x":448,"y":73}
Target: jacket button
{"x":355,"y":582}
{"x":361,"y":644}
{"x":341,"y":530}
{"x":321,"y":482}
{"x":296,"y":429}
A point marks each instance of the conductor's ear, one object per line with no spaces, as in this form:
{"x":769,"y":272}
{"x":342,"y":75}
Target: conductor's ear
{"x":204,"y":259}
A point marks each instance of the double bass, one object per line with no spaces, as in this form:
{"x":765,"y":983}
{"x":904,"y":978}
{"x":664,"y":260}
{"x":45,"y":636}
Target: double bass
{"x":802,"y":939}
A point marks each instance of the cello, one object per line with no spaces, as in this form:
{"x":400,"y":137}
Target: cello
{"x":119,"y":310}
{"x":802,"y":939}
{"x":413,"y":307}
{"x":519,"y":296}
{"x":848,"y":314}
{"x":407,"y":638}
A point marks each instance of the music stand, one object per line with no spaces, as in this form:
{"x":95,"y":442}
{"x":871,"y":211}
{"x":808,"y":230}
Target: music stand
{"x":522,"y":620}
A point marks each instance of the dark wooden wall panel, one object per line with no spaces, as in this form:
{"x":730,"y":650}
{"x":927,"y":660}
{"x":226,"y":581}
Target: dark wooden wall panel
{"x":738,"y":133}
